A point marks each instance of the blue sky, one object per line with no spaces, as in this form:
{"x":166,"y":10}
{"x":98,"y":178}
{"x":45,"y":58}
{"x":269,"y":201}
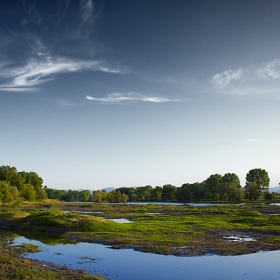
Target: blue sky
{"x":97,"y":94}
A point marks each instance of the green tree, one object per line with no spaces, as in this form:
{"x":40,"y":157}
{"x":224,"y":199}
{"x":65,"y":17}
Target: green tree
{"x":110,"y":196}
{"x":84,"y":195}
{"x":169,"y":192}
{"x":35,"y":180}
{"x":157,"y":193}
{"x":72,"y":195}
{"x":229,"y":191}
{"x":140,"y":193}
{"x":114,"y":196}
{"x":124,"y":198}
{"x":19,"y":179}
{"x":117,"y":196}
{"x":14,"y":193}
{"x":210,"y":185}
{"x":5,"y":194}
{"x":252,"y":191}
{"x":104,"y":195}
{"x":7,"y":173}
{"x":97,"y":196}
{"x":56,"y":194}
{"x":190,"y":192}
{"x":41,"y":194}
{"x":144,"y":193}
{"x":260,"y":177}
{"x":130,"y":192}
{"x":231,"y":178}
{"x":269,"y":195}
{"x":28,"y":193}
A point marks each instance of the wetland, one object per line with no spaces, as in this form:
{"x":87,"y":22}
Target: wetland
{"x":174,"y":234}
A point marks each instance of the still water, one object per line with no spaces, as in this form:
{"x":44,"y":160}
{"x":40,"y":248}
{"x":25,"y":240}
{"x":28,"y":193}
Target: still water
{"x":128,"y":264}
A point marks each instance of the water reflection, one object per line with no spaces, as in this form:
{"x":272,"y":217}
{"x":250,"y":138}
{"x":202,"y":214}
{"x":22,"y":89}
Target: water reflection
{"x":129,"y":264}
{"x":238,"y":238}
{"x":119,"y":220}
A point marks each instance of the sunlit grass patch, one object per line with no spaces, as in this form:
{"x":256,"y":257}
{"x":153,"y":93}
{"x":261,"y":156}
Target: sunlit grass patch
{"x":30,"y":248}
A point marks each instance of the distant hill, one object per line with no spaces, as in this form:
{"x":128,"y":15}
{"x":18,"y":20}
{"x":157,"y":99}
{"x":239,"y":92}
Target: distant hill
{"x":275,"y":189}
{"x":108,"y":189}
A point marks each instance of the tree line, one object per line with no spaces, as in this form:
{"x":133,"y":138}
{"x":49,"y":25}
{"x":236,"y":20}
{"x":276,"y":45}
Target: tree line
{"x":215,"y":188}
{"x":28,"y":186}
{"x":16,"y":186}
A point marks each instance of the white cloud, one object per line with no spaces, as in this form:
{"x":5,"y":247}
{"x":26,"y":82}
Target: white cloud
{"x":131,"y":96}
{"x":262,"y":80}
{"x":225,"y":78}
{"x":270,"y":70}
{"x":38,"y":71}
{"x":18,"y":89}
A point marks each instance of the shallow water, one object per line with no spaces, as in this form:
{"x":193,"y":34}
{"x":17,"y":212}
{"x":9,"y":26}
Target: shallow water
{"x":120,"y":220}
{"x":129,"y":264}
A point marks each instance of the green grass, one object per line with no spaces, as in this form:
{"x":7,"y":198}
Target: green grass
{"x":30,"y":248}
{"x":174,"y":226}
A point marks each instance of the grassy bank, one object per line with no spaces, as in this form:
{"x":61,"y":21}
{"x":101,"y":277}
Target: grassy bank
{"x":164,"y":229}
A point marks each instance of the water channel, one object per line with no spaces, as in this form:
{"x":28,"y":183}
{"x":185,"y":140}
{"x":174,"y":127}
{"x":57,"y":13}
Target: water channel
{"x":127,"y":264}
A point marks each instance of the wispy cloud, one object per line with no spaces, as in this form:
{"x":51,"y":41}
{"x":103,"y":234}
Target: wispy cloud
{"x":40,"y":70}
{"x":261,"y":79}
{"x":270,"y":70}
{"x":131,"y":96}
{"x":36,"y":15}
{"x":62,"y":47}
{"x":87,"y":11}
{"x":18,"y":89}
{"x":227,"y":77}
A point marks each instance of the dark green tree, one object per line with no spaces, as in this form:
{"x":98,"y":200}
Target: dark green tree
{"x":190,"y":192}
{"x":7,"y":173}
{"x":231,"y":178}
{"x":129,"y":191}
{"x":169,"y":192}
{"x":229,"y":191}
{"x":210,"y":185}
{"x":144,"y":193}
{"x":269,"y":195}
{"x":157,"y":193}
{"x":252,"y":191}
{"x":56,"y":194}
{"x":260,"y":177}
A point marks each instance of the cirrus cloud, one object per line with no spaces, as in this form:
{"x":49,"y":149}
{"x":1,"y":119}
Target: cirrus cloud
{"x":37,"y":71}
{"x":131,"y":96}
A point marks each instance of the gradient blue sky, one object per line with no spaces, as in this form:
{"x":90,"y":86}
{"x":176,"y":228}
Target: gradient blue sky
{"x":97,"y":94}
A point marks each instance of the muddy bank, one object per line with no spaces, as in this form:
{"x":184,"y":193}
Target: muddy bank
{"x":212,"y":242}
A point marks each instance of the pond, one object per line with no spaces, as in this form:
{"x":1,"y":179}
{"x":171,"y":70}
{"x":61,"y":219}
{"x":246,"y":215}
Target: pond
{"x":127,"y":264}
